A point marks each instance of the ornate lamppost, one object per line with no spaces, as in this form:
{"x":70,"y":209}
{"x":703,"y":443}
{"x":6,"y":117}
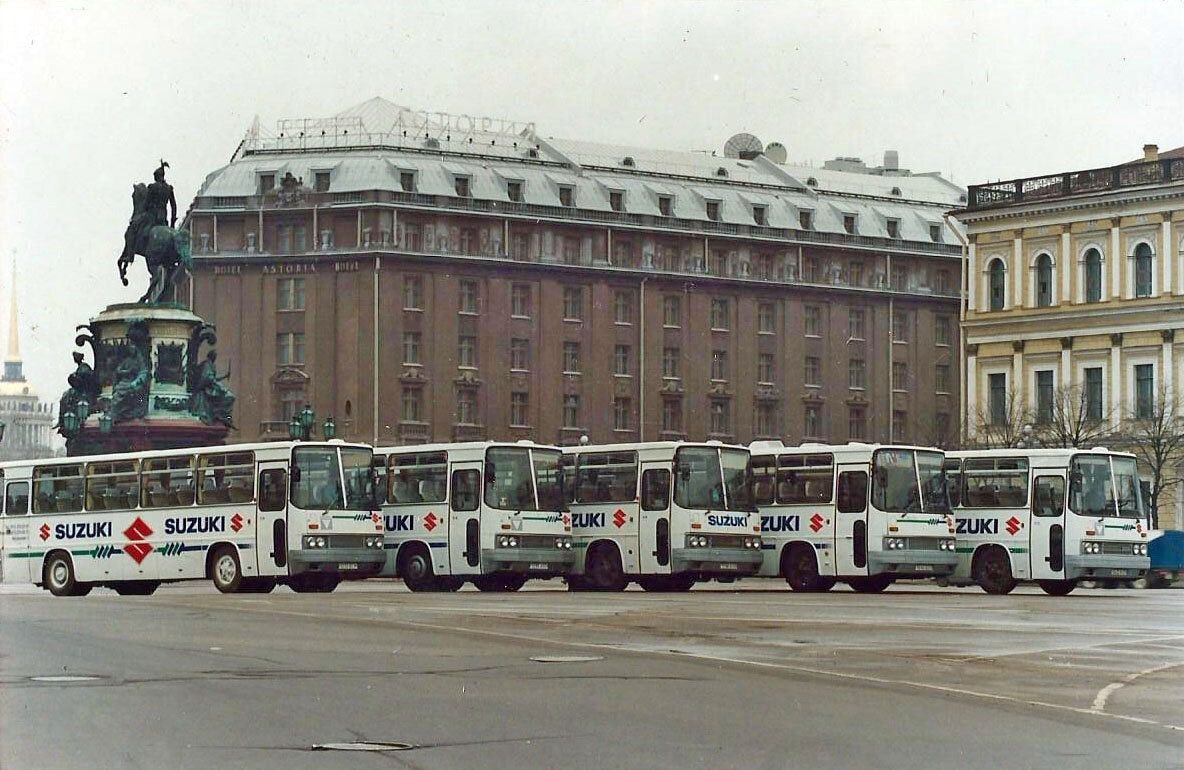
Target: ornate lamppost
{"x":1025,"y":440}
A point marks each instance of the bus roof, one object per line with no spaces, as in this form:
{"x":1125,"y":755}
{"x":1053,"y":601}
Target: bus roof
{"x":457,"y":446}
{"x":856,"y":449}
{"x":1054,"y":453}
{"x":257,"y":446}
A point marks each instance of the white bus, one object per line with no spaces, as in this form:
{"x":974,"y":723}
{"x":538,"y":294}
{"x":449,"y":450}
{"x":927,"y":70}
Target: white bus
{"x":246,"y":516}
{"x":627,"y":525}
{"x":486,"y":512}
{"x":863,"y":514}
{"x":1016,"y":522}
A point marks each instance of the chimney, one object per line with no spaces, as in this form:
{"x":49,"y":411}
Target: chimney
{"x":891,"y":160}
{"x":1150,"y":152}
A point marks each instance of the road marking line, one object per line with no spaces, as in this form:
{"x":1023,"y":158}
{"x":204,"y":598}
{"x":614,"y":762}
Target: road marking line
{"x":1104,"y":694}
{"x":740,"y":661}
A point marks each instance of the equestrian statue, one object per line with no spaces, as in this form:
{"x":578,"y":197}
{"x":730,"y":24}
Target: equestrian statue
{"x":151,"y":235}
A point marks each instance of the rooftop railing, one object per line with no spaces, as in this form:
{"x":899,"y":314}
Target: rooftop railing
{"x":1064,"y":185}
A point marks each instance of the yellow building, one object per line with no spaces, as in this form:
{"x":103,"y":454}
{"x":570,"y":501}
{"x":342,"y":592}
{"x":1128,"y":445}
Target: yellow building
{"x":1074,"y":298}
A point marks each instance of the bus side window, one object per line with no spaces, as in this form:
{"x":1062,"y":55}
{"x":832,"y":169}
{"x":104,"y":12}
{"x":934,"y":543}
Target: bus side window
{"x":273,"y":489}
{"x":852,"y":492}
{"x":764,"y":479}
{"x":1049,"y":499}
{"x":655,"y":489}
{"x":16,"y":498}
{"x":465,"y":485}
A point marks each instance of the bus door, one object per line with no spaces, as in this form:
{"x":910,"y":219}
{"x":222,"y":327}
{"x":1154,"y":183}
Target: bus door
{"x":15,"y":535}
{"x":271,"y":530}
{"x":464,"y":517}
{"x":653,"y":520}
{"x":850,"y":520}
{"x":1047,"y":529}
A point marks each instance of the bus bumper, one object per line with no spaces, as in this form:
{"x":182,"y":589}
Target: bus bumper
{"x":1105,"y":566}
{"x":912,"y":563}
{"x":347,"y":561}
{"x":539,"y":562}
{"x":716,"y":562}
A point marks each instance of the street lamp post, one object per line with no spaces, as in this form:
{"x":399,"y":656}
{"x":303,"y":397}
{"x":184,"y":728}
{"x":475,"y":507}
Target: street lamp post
{"x":1025,"y":439}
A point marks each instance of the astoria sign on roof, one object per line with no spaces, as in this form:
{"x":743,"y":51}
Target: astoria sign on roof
{"x":413,"y":122}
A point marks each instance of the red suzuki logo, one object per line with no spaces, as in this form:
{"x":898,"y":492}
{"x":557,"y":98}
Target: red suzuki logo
{"x":1014,"y":525}
{"x":619,"y":518}
{"x":236,"y":522}
{"x":566,"y":520}
{"x":430,"y":522}
{"x":44,"y":531}
{"x":137,"y":532}
{"x":816,"y":522}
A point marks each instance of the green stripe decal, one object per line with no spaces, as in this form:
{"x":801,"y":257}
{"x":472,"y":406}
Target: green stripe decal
{"x":1018,"y":550}
{"x":29,"y":555}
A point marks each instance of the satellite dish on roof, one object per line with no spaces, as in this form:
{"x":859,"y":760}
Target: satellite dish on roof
{"x":743,"y":146}
{"x":776,"y":152}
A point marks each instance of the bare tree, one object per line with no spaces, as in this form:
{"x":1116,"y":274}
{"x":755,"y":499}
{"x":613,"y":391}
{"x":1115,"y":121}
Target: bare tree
{"x":1002,"y":426}
{"x":1068,"y":423}
{"x":1156,"y":437}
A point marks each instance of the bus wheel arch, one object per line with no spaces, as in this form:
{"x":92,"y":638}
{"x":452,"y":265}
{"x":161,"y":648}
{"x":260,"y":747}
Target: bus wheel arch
{"x":799,"y":566}
{"x":414,"y":565}
{"x":991,"y":569}
{"x":603,"y":567}
{"x":58,"y":576}
{"x":224,"y":567}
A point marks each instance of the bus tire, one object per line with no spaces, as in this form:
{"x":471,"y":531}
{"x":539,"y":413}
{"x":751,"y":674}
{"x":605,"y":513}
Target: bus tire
{"x":225,"y":570}
{"x":825,"y":584}
{"x":799,"y":567}
{"x":603,"y":570}
{"x":577,"y":583}
{"x":992,"y":571}
{"x":490,"y":583}
{"x":415,"y":567}
{"x":514,"y":582}
{"x":1057,"y":587}
{"x":870,"y":585}
{"x":449,"y":584}
{"x":136,"y":587}
{"x":58,"y":576}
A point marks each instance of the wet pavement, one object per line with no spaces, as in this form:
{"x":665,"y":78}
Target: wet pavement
{"x":747,"y":676}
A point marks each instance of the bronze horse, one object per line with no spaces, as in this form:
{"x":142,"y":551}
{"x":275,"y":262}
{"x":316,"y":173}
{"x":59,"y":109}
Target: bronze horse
{"x":165,"y":250}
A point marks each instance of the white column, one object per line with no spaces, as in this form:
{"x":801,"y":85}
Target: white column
{"x":1167,"y":368}
{"x":970,"y":382}
{"x":971,"y":278}
{"x":1169,"y":260}
{"x":1066,"y":374}
{"x":1017,"y":261}
{"x":1116,"y":260}
{"x":1115,"y":384}
{"x":1019,"y":388}
{"x":1065,"y":265}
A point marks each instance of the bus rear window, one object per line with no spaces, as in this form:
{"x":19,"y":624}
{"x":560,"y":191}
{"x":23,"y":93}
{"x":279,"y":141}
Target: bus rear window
{"x":603,"y":477}
{"x":994,"y":482}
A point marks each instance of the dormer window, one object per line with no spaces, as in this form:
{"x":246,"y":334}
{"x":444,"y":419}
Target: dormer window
{"x":628,"y":161}
{"x":806,"y":219}
{"x":514,"y":190}
{"x":616,"y":200}
{"x":713,"y":210}
{"x":407,"y":181}
{"x":893,"y":228}
{"x":896,"y":191}
{"x":666,"y":205}
{"x":321,"y":181}
{"x":567,"y":196}
{"x":721,"y":171}
{"x":760,"y":215}
{"x":849,"y":223}
{"x":462,"y":186}
{"x":266,"y":183}
{"x":935,"y":233}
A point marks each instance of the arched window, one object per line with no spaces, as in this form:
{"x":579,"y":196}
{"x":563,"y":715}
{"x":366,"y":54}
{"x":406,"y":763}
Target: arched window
{"x":1044,"y":281}
{"x":1144,"y":267}
{"x":1093,"y":276}
{"x":996,"y":281}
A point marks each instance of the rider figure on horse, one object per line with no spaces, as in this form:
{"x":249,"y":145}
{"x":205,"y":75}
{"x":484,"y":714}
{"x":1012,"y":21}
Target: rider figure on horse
{"x":159,"y":198}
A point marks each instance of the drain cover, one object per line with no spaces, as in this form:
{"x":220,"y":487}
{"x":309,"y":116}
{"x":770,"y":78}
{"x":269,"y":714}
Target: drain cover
{"x":566,"y":658}
{"x":64,"y":678}
{"x":363,"y":746}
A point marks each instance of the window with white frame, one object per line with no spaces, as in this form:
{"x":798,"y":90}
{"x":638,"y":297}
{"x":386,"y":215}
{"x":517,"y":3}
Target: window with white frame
{"x":1092,"y":275}
{"x":996,"y":284}
{"x":1044,"y":280}
{"x":1144,"y":270}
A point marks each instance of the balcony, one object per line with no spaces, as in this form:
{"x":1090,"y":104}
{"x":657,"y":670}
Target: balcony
{"x":1036,"y":189}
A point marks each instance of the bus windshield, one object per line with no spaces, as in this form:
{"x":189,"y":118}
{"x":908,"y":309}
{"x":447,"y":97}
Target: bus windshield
{"x":907,"y":481}
{"x":548,"y":479}
{"x":509,"y":483}
{"x":1105,"y":486}
{"x":317,"y":478}
{"x":702,"y":480}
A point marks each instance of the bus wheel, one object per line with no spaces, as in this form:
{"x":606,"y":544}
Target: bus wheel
{"x":653,"y":583}
{"x":992,"y":571}
{"x":490,"y":583}
{"x":58,"y":577}
{"x":136,"y":587}
{"x":604,"y":572}
{"x":415,"y":567}
{"x":513,"y":582}
{"x":824,"y":584}
{"x":870,"y":585}
{"x":449,"y":584}
{"x":225,"y":570}
{"x":1056,"y":587}
{"x":800,"y":569}
{"x":577,"y":583}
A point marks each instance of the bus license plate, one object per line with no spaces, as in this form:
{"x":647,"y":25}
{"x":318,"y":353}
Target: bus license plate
{"x":1118,"y":572}
{"x":540,"y":566}
{"x":729,"y":566}
{"x":923,"y":567}
{"x":347,"y":565}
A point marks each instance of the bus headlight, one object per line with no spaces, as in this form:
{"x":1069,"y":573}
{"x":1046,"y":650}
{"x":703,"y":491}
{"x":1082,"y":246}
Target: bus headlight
{"x":1091,"y":547}
{"x":894,"y":544}
{"x":697,"y":541}
{"x":563,"y":543}
{"x":950,"y":545}
{"x":1140,"y":549}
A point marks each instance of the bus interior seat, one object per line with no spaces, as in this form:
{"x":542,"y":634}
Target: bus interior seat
{"x":238,"y":494}
{"x":185,"y":497}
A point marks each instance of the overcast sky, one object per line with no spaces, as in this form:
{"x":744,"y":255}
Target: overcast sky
{"x":93,"y":94}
